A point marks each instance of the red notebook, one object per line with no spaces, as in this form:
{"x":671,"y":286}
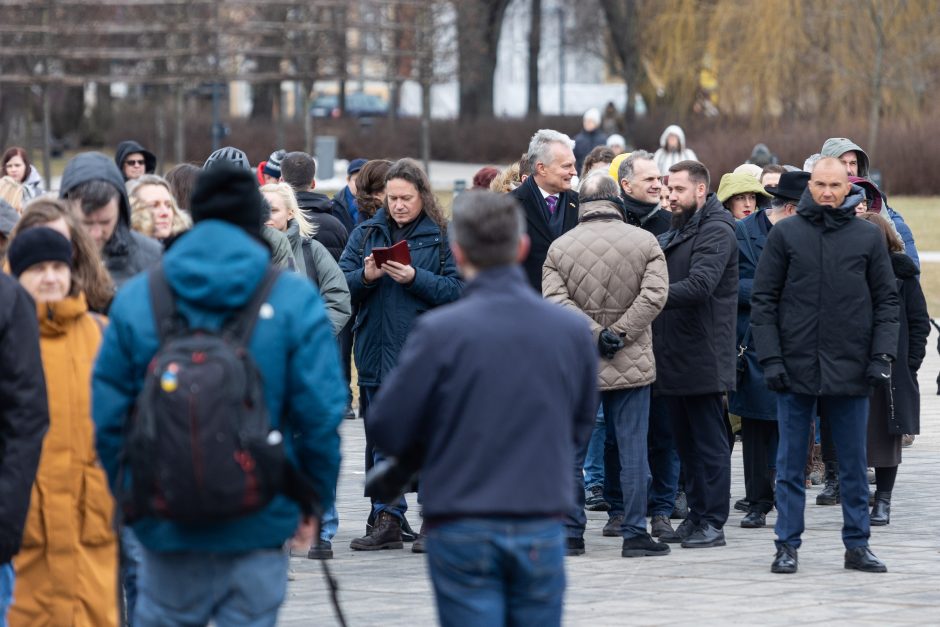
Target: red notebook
{"x":398,"y":252}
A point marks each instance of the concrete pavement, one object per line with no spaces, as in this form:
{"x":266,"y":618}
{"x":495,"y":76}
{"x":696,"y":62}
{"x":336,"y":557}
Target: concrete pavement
{"x":731,"y":584}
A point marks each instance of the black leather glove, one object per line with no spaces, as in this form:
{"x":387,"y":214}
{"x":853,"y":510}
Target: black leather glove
{"x":879,"y":371}
{"x":775,"y":375}
{"x":608,"y":343}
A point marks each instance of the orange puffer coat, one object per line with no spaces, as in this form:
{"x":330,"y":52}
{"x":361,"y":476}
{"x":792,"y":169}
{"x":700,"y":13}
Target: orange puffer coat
{"x":67,"y":570}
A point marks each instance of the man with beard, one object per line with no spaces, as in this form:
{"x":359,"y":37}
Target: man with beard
{"x":824,"y":318}
{"x":694,"y":346}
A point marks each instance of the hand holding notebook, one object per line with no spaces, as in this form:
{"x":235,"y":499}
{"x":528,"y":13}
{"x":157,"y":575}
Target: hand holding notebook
{"x":398,"y":253}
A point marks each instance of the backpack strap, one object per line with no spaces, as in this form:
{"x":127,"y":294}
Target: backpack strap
{"x":242,"y":324}
{"x":166,"y":319}
{"x":312,"y":273}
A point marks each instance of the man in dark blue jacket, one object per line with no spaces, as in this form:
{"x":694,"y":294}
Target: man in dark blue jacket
{"x":234,"y":571}
{"x":495,"y":438}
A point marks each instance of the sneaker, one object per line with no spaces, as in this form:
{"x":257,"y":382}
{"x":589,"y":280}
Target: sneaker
{"x":386,"y":534}
{"x":643,"y":546}
{"x":754,"y":520}
{"x":612,"y":528}
{"x":661,"y":528}
{"x":322,"y":550}
{"x":574,"y":547}
{"x":594,"y":500}
{"x":685,"y":529}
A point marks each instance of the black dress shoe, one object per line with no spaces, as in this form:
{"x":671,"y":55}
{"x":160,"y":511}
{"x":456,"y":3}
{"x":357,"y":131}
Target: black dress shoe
{"x":574,"y":546}
{"x":684,"y":530}
{"x":754,"y":520}
{"x":786,"y":561}
{"x":861,"y":558}
{"x":643,"y":546}
{"x":704,"y":537}
{"x":742,"y":505}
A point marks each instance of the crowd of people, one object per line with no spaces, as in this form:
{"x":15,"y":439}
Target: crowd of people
{"x":176,"y":358}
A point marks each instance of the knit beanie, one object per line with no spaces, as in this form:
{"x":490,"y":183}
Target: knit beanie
{"x":230,"y":193}
{"x":272,"y":166}
{"x":37,"y":245}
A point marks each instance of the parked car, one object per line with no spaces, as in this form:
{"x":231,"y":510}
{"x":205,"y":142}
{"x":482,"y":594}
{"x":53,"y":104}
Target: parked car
{"x":360,"y":105}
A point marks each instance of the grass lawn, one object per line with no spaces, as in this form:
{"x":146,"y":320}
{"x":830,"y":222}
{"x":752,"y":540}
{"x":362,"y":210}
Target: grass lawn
{"x":921,"y":215}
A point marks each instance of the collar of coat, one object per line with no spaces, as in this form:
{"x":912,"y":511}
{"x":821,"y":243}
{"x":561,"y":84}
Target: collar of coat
{"x":712,"y":210}
{"x":830,"y":218}
{"x":599,"y":210}
{"x":638,"y":212}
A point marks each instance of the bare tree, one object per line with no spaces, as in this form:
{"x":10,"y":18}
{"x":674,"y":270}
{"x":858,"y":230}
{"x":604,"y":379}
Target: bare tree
{"x":478,"y":27}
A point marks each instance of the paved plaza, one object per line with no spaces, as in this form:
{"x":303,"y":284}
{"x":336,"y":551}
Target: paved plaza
{"x":731,"y":584}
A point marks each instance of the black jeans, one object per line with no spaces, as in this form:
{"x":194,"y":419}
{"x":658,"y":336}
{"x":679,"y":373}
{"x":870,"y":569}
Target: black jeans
{"x":701,"y":434}
{"x":759,"y":441}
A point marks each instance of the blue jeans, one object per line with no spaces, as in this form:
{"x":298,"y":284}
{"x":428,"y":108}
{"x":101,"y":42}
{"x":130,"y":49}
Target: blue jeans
{"x":329,"y":524}
{"x":627,"y":414}
{"x":244,"y":589}
{"x":367,"y":393}
{"x":663,"y":461}
{"x":130,"y":555}
{"x":575,"y":518}
{"x":594,"y":462}
{"x":497,"y":571}
{"x":6,"y":591}
{"x":848,"y":419}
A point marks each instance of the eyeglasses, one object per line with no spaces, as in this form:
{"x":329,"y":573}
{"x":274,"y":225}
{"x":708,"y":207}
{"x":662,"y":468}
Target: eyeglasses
{"x":134,"y":162}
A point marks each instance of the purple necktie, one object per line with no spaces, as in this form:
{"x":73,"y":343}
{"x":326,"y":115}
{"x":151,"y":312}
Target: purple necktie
{"x":551,"y":201}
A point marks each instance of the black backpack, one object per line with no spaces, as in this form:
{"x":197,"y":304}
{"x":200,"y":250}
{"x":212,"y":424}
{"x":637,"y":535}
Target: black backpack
{"x":199,"y":446}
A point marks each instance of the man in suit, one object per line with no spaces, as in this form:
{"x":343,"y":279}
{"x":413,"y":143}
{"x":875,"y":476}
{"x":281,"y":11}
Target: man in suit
{"x":549,"y":203}
{"x":495,"y":539}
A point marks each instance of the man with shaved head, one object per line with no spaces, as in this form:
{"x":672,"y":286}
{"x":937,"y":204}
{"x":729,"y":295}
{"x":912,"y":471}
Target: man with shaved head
{"x":824,"y":321}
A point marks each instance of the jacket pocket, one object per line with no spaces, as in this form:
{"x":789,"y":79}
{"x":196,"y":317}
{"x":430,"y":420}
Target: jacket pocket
{"x":34,"y":534}
{"x":97,"y":508}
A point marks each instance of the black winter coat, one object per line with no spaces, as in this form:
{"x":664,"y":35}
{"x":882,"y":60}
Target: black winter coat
{"x":649,"y":217}
{"x":694,"y":336}
{"x":330,"y":231}
{"x":533,"y":204}
{"x":824,"y":300}
{"x":902,"y":405}
{"x":24,"y":414}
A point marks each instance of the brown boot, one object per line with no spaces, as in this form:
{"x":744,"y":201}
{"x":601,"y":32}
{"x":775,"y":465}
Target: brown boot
{"x":386,"y":534}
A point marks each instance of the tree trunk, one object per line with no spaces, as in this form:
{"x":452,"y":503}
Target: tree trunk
{"x":478,"y":27}
{"x":535,"y":44}
{"x":621,"y":20}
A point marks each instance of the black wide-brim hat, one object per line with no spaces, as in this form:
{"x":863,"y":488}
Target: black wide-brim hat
{"x":791,"y":185}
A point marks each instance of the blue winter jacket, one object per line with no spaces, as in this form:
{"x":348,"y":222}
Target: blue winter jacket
{"x":388,"y":309}
{"x":751,"y":398}
{"x":214,"y":270}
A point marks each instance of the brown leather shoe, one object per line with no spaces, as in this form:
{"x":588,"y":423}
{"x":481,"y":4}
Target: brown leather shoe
{"x":386,"y":534}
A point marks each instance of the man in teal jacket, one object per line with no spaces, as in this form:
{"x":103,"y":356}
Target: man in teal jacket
{"x":232,"y":572}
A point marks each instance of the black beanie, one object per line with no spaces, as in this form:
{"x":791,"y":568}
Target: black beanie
{"x":36,"y":245}
{"x":227,"y":192}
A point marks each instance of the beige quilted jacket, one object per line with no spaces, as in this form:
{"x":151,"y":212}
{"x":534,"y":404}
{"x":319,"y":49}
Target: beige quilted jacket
{"x":616,"y":275}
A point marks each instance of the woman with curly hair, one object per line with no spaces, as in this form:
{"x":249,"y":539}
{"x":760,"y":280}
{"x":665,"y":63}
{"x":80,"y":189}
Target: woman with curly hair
{"x":154,"y":211}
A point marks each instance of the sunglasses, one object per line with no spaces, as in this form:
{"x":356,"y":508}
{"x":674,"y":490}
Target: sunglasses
{"x":134,"y":162}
